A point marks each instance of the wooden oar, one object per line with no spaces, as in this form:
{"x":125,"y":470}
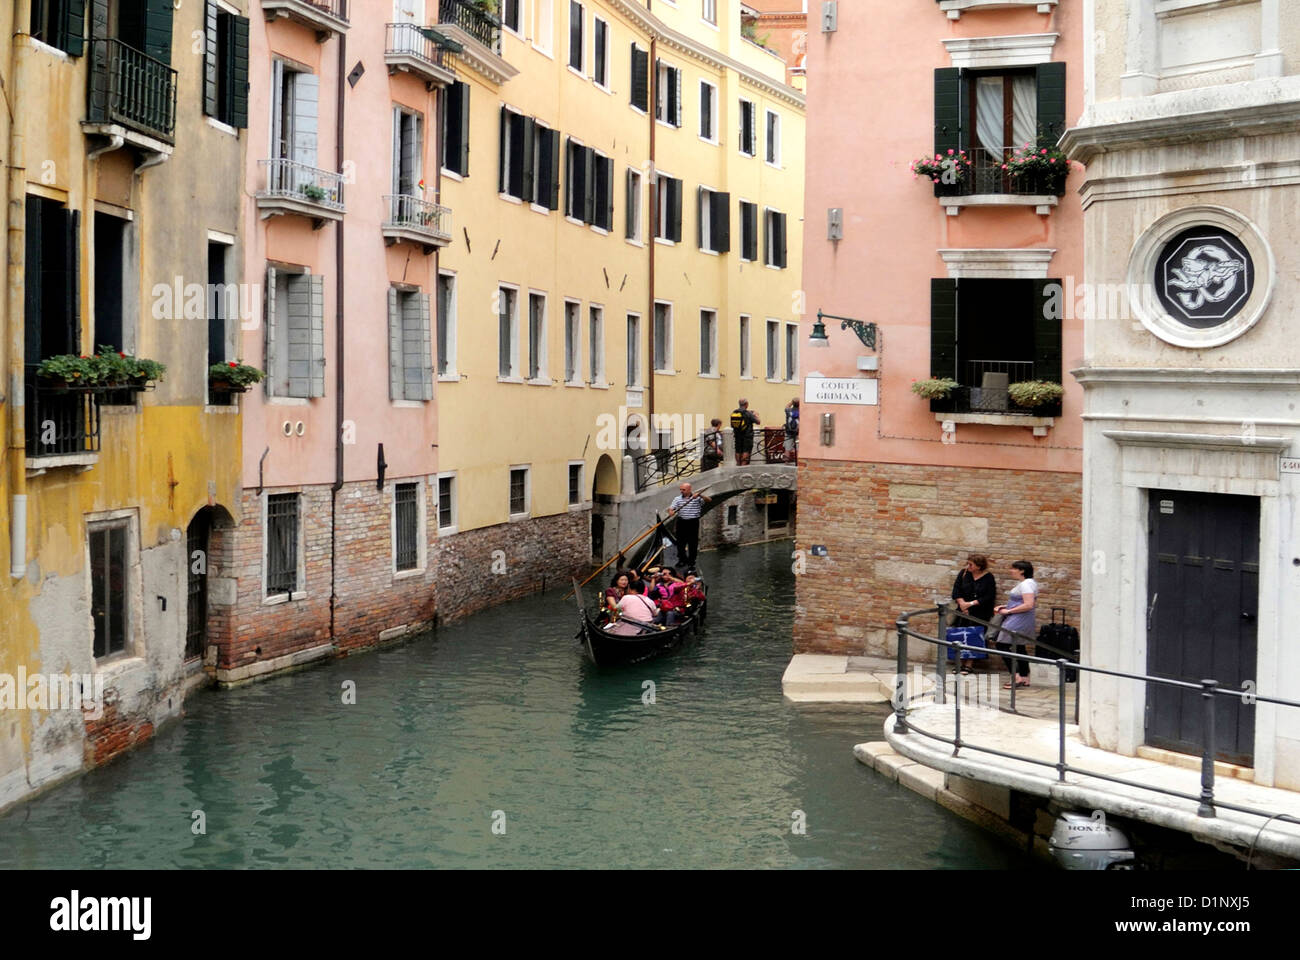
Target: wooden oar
{"x":620,"y":553}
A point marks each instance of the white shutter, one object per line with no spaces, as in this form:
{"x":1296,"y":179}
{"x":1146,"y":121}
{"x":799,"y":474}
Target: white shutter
{"x":395,"y":391}
{"x":415,"y":346}
{"x":306,"y":110}
{"x":275,"y":385}
{"x":317,"y":287}
{"x":297,"y":341}
{"x":421,"y":306}
{"x":677,"y":85}
{"x":278,"y":149}
{"x":397,"y":151}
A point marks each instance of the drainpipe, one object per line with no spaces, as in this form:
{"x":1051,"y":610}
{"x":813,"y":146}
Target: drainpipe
{"x":17,"y":237}
{"x":338,"y":341}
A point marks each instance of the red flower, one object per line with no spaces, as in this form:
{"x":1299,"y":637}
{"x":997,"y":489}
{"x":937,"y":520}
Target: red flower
{"x":121,"y":354}
{"x":233,"y":364}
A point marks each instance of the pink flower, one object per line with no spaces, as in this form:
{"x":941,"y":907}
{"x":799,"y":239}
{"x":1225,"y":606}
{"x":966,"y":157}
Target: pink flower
{"x":1004,"y":166}
{"x":1044,"y":151}
{"x":950,"y":152}
{"x":1053,"y":160}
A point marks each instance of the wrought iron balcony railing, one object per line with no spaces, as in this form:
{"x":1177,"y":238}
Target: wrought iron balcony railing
{"x":474,"y":20}
{"x":291,"y":180}
{"x":990,"y":173}
{"x":407,"y":39}
{"x":61,"y":422}
{"x":406,"y":212}
{"x":131,"y":88}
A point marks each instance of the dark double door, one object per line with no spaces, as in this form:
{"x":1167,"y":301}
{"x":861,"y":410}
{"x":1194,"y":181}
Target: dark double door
{"x":1202,"y":607}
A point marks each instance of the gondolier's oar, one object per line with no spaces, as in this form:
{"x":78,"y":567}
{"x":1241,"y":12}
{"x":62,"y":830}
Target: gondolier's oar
{"x":620,"y":553}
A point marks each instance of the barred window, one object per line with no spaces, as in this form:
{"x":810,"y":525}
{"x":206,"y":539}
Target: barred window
{"x":281,"y":543}
{"x":518,"y":491}
{"x":406,"y":504}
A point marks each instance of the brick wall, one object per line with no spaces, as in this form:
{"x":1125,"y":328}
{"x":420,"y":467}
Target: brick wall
{"x":540,"y":553}
{"x":896,"y":535}
{"x":751,"y":521}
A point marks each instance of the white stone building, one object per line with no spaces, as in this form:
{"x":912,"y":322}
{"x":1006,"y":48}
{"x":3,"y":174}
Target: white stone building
{"x":1191,"y":374}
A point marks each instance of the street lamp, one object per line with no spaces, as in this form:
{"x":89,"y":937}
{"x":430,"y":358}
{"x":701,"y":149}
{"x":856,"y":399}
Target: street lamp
{"x":866,"y":331}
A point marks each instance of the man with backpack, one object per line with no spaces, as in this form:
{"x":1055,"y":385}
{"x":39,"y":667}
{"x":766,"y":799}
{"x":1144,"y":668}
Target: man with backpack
{"x":792,"y":430}
{"x":742,"y":428}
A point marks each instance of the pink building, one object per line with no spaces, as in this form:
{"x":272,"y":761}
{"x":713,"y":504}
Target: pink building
{"x":331,"y":549}
{"x":971,"y":279}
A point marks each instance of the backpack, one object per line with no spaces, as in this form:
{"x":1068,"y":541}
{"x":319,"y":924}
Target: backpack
{"x":792,"y":423}
{"x":738,"y":420}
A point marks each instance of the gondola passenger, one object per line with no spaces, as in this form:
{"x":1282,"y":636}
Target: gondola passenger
{"x":636,"y":612}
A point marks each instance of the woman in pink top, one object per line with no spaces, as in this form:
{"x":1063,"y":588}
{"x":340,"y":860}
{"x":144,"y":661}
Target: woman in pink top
{"x":634,"y":611}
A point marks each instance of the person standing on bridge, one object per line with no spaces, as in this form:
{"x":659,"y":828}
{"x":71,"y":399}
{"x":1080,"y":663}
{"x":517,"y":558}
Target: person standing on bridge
{"x":742,"y":428}
{"x":687,"y":508}
{"x":712,"y":455}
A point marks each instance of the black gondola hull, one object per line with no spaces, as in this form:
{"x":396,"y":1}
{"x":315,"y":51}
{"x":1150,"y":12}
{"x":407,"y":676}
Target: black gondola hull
{"x":606,"y":649}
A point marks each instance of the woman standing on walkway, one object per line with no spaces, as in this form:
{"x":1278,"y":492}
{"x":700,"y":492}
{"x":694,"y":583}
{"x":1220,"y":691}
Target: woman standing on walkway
{"x":975,"y":592}
{"x":1019,"y":614}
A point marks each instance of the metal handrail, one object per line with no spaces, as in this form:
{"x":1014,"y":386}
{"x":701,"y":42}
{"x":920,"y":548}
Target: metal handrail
{"x":61,"y":421}
{"x":130,"y":87}
{"x":665,"y":465}
{"x":477,"y":22}
{"x":409,"y":39}
{"x":1209,"y":689}
{"x":293,"y":180}
{"x":411,"y":212}
{"x":990,"y":173}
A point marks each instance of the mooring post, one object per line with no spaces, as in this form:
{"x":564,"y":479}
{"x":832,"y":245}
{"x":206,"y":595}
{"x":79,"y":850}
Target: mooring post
{"x":941,"y":634}
{"x":1206,"y":809}
{"x":900,"y":681}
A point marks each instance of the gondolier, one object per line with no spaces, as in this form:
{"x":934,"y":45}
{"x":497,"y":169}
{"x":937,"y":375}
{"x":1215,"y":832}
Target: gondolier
{"x":687,"y":508}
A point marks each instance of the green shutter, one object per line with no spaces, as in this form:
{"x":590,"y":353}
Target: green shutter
{"x":72,"y":234}
{"x":943,"y":328}
{"x":157,"y":25}
{"x":553,"y":188}
{"x":588,"y":185}
{"x":780,"y":240}
{"x":947,"y":110}
{"x":501,"y":151}
{"x":210,"y":57}
{"x":1051,"y":100}
{"x":701,"y":199}
{"x":640,"y":78}
{"x":239,"y":74}
{"x":74,"y":28}
{"x":720,"y":217}
{"x":1047,"y":333}
{"x":528,"y":186}
{"x":33,"y":302}
{"x":674,"y":210}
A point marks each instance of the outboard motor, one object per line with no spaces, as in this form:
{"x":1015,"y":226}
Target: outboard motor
{"x":1081,"y":842}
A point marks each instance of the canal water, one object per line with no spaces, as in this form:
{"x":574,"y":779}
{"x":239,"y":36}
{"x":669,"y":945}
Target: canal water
{"x":491,"y":743}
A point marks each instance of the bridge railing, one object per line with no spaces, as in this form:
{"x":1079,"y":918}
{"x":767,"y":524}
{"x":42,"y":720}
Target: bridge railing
{"x":1209,"y":690}
{"x":659,"y":467}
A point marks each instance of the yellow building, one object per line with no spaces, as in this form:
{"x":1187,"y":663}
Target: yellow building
{"x":628,"y":191}
{"x":123,"y":151}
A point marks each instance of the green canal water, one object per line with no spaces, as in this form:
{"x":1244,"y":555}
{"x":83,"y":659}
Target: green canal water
{"x":498,"y":721}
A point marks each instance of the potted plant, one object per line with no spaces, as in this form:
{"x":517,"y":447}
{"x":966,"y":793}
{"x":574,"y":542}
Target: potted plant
{"x":232,"y":377}
{"x":1036,"y":394}
{"x":108,"y":370}
{"x":314,"y":193}
{"x":948,"y":172}
{"x":1041,"y":168}
{"x":936,"y":388}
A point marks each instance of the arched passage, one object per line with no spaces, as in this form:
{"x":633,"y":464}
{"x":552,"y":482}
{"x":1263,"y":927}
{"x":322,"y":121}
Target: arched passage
{"x":606,"y":479}
{"x":205,"y":546}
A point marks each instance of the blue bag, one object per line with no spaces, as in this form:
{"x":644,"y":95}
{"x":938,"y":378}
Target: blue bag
{"x":972,"y":636}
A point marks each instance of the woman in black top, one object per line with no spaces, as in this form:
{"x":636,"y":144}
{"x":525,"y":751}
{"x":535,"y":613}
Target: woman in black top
{"x":974,"y":590}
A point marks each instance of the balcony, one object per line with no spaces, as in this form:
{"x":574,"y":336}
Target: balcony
{"x":414,"y":50}
{"x":987,"y":184}
{"x":294,"y":188}
{"x":479,"y":33}
{"x":131,"y":99}
{"x":327,"y":18}
{"x":62,"y":427}
{"x":417,"y":221}
{"x":989,"y":402}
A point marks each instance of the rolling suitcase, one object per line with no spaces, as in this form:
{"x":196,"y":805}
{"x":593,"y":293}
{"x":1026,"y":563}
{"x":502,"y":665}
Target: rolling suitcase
{"x":1064,"y":638}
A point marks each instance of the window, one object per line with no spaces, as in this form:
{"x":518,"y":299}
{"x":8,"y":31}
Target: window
{"x":668,"y":202}
{"x":294,"y":116}
{"x":990,"y":113}
{"x":640,"y":83}
{"x":455,"y":130}
{"x":708,"y":112}
{"x":545,"y":190}
{"x":52,"y":322}
{"x":633,"y":350}
{"x":773,"y":349}
{"x":60,"y":23}
{"x":708,"y":343}
{"x":748,"y":134}
{"x":408,"y":151}
{"x":406,"y":526}
{"x":529,"y":160}
{"x":575,"y":484}
{"x":295,"y":334}
{"x":596,"y":344}
{"x":572,"y":342}
{"x":663,"y":342}
{"x":225,"y":66}
{"x":536,"y":336}
{"x":507,"y":332}
{"x":600,"y":51}
{"x":773,"y":138}
{"x":543,"y":25}
{"x":714,"y":219}
{"x":590,"y":195}
{"x":709,"y":11}
{"x":446,"y":502}
{"x":575,"y":35}
{"x":744,"y":347}
{"x":222,"y":307}
{"x":519,"y":491}
{"x":447,"y":325}
{"x":410,"y":355}
{"x":748,"y":231}
{"x":511,"y":18}
{"x":792,"y":352}
{"x":668,"y":94}
{"x":774,"y":239}
{"x":633,"y":219}
{"x":110,"y":284}
{"x":282,"y":544}
{"x":1027,"y":344}
{"x":110,"y":590}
